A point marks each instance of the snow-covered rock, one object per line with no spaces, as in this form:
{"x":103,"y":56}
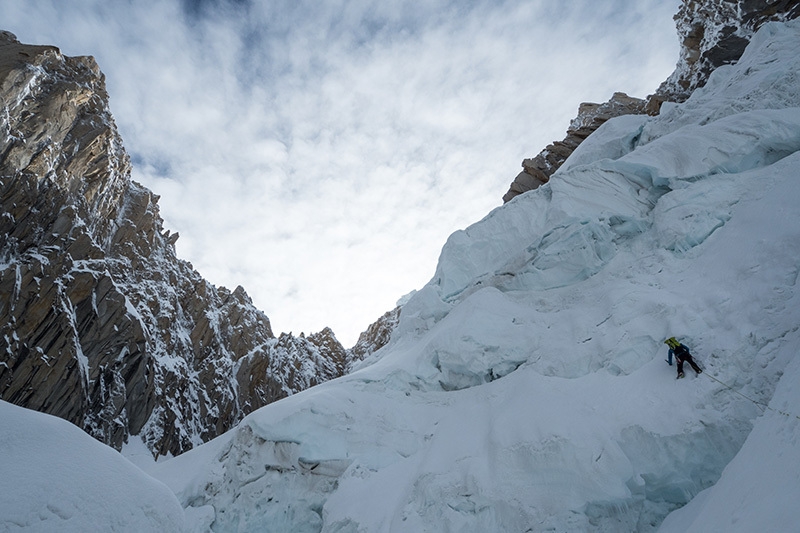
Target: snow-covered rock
{"x":715,"y":33}
{"x":525,"y":388}
{"x":100,"y":323}
{"x":536,"y":171}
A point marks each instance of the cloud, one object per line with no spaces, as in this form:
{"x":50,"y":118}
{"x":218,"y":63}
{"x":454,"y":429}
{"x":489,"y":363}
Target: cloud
{"x":320,"y":153}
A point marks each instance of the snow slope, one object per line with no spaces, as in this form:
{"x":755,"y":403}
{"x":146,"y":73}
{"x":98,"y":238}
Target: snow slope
{"x":525,"y":387}
{"x":759,"y":489}
{"x":54,"y":477}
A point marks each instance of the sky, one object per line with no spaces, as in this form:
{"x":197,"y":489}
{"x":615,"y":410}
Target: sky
{"x":319,"y":153}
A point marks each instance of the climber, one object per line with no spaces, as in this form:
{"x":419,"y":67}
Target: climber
{"x":682,"y":355}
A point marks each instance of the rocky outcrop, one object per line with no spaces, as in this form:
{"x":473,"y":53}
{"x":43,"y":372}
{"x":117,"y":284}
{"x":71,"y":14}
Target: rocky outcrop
{"x":712,"y":33}
{"x":537,"y":171}
{"x":294,"y":363}
{"x":100,"y":323}
{"x":375,"y":337}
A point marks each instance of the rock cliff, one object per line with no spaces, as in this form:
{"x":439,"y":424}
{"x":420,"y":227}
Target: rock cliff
{"x":712,"y":33}
{"x":100,"y":323}
{"x":375,"y":337}
{"x":537,"y":170}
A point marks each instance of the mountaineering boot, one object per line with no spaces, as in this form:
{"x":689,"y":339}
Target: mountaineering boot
{"x":680,"y":376}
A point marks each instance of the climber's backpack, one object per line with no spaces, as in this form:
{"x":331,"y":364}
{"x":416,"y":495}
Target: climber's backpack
{"x":681,"y":352}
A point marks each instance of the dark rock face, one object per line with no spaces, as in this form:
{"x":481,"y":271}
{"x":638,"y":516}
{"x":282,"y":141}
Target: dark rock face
{"x":715,"y":33}
{"x":100,"y":323}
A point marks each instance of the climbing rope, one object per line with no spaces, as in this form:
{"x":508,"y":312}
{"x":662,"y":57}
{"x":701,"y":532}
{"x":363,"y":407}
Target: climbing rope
{"x":760,"y":404}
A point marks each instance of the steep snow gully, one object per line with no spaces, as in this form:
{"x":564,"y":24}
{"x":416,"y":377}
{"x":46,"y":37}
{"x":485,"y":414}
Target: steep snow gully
{"x":525,"y":387}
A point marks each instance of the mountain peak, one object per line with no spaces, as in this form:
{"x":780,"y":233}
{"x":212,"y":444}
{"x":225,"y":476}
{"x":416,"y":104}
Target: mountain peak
{"x":104,"y":325}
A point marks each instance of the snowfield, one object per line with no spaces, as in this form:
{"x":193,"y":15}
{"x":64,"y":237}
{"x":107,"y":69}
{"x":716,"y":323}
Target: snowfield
{"x":525,"y":388}
{"x":56,"y":478}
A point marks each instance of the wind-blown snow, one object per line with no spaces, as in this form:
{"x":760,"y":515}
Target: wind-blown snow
{"x":525,"y":388}
{"x":54,"y":477}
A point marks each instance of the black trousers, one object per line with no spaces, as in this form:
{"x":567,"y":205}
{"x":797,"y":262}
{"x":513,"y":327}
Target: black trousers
{"x":687,"y":359}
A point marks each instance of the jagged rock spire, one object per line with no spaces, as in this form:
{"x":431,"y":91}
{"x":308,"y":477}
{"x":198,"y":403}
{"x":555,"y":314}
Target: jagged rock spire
{"x":100,"y":322}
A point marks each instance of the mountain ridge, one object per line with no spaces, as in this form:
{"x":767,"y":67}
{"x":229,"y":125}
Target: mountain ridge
{"x":104,"y":325}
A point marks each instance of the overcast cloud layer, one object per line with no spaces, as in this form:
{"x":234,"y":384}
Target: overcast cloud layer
{"x":320,"y":153}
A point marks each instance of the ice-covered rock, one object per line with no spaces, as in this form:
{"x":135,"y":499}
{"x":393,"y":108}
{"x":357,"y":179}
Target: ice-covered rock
{"x":712,"y":33}
{"x":758,"y":488}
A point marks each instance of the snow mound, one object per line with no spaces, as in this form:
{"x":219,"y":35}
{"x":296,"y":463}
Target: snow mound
{"x":525,"y":387}
{"x":57,"y":478}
